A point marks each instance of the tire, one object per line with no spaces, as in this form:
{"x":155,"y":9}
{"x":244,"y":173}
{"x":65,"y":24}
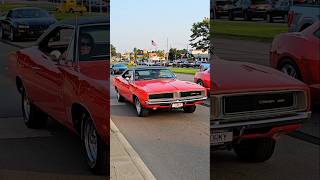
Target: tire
{"x":200,"y":82}
{"x":119,"y":97}
{"x":269,"y":18}
{"x":246,"y":16}
{"x":96,"y":151}
{"x":231,"y":16}
{"x":12,"y":36}
{"x":33,"y":117}
{"x":141,"y":112}
{"x":189,"y":109}
{"x":255,"y":150}
{"x":288,"y":67}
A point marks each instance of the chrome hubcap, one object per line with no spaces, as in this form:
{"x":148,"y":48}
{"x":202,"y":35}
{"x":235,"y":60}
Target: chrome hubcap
{"x":26,"y":108}
{"x":138,"y":106}
{"x":91,"y":144}
{"x":200,"y":83}
{"x":290,"y":70}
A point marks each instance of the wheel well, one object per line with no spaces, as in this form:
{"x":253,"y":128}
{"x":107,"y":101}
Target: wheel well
{"x":77,"y":111}
{"x":134,"y":97}
{"x":19,"y":84}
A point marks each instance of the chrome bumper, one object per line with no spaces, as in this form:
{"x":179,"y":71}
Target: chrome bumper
{"x":175,"y":101}
{"x":298,"y":117}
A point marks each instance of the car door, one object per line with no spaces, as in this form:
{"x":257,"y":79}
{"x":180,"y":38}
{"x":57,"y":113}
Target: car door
{"x":124,"y":85}
{"x":49,"y":73}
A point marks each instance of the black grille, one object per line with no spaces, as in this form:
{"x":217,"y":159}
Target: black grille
{"x":255,"y":102}
{"x":161,"y":96}
{"x":190,"y":93}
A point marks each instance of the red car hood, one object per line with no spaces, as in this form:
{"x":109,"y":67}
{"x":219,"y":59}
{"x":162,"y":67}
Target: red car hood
{"x":236,"y":77}
{"x":166,"y":85}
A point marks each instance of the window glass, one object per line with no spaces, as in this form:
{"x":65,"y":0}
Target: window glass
{"x":94,"y":43}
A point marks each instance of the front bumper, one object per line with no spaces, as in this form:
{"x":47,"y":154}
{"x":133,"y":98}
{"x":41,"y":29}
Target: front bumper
{"x":293,"y":119}
{"x":168,"y":103}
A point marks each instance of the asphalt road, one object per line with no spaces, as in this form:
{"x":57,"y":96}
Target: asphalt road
{"x":297,"y":156}
{"x":174,"y":145}
{"x":50,"y":153}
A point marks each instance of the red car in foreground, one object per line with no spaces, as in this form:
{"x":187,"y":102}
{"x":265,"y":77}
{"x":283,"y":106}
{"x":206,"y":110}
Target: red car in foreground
{"x":151,"y":88}
{"x":65,"y":77}
{"x":298,"y":55}
{"x":251,"y":105}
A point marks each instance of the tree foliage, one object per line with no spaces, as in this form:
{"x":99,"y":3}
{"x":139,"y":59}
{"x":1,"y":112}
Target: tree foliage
{"x":200,"y":35}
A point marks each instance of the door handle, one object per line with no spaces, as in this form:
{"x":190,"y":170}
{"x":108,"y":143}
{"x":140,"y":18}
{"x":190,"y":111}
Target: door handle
{"x":35,"y":68}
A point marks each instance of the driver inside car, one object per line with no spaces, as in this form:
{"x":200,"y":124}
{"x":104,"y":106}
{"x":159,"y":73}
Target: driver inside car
{"x":86,"y":47}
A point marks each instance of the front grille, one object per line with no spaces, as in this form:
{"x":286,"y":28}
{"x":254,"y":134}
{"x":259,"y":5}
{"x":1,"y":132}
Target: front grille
{"x":190,"y":93}
{"x":258,"y":102}
{"x":161,"y":96}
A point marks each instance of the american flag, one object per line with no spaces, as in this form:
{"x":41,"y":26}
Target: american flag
{"x":153,"y":43}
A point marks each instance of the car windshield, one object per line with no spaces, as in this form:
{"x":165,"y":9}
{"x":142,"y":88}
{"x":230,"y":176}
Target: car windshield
{"x":119,"y":65}
{"x":149,"y":74}
{"x":29,"y":13}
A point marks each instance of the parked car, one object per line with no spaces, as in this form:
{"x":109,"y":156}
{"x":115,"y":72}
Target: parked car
{"x":197,"y":64}
{"x":70,"y":88}
{"x":280,"y":9}
{"x":298,"y":55}
{"x":203,"y":78}
{"x":151,"y":88}
{"x":95,"y":5}
{"x":221,"y":7}
{"x":302,"y":16}
{"x":118,"y":68}
{"x":28,"y":22}
{"x":251,"y":106}
{"x":249,"y":9}
{"x":71,"y":6}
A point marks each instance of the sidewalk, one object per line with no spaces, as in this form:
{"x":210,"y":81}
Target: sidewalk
{"x":125,"y":163}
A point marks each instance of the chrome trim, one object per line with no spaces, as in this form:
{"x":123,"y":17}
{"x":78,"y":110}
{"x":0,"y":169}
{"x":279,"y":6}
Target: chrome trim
{"x":175,"y":101}
{"x":297,"y":116}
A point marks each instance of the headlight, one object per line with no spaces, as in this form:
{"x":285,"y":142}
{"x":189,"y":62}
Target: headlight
{"x":23,"y":26}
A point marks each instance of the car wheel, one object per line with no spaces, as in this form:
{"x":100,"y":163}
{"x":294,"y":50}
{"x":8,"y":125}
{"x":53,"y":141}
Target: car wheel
{"x":246,"y":16}
{"x":255,"y":150}
{"x":285,"y":18}
{"x":200,"y":82}
{"x":290,"y":69}
{"x":33,"y":117}
{"x":189,"y":109}
{"x":141,"y":112}
{"x":231,"y":16}
{"x":12,"y":36}
{"x":96,"y":150}
{"x":269,"y":18}
{"x":119,"y":97}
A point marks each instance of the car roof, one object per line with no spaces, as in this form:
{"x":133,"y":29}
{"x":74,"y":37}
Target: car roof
{"x":85,"y":20}
{"x":148,"y":67}
{"x":22,"y":8}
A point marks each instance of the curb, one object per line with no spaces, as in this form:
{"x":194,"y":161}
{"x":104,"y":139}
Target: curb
{"x":142,"y":168}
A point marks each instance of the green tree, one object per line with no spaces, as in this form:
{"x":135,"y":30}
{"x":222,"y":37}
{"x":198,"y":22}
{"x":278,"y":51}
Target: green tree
{"x":174,"y":54}
{"x":113,"y":51}
{"x":200,"y":35}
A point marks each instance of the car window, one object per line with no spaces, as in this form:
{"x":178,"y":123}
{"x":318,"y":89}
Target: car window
{"x":57,"y":41}
{"x":94,"y":43}
{"x":127,"y":74}
{"x":29,"y":13}
{"x":9,"y":15}
{"x":149,"y":74}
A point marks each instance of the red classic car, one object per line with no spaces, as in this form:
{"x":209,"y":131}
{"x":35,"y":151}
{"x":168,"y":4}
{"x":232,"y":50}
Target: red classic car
{"x":203,"y":77}
{"x":157,"y":88}
{"x":251,"y":105}
{"x":65,"y":77}
{"x":298,"y":55}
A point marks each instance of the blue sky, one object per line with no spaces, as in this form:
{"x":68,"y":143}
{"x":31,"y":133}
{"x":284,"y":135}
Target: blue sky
{"x":134,"y":23}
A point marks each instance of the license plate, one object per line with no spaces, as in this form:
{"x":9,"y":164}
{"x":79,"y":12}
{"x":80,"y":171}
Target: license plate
{"x":217,"y":138}
{"x":177,"y":105}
